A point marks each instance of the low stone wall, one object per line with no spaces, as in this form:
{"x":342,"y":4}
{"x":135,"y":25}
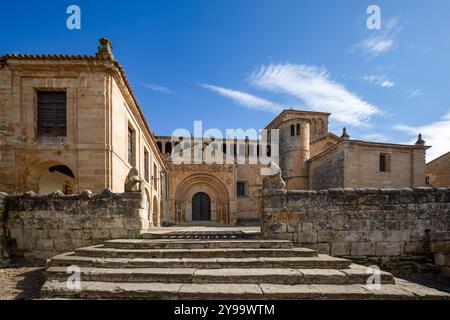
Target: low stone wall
{"x":40,"y":227}
{"x":376,"y":224}
{"x":3,"y":252}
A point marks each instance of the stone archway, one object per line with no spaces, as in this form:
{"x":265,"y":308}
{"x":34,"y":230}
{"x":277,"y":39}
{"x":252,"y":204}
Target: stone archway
{"x":156,"y":217}
{"x":209,"y":185}
{"x":50,"y":176}
{"x":148,"y":207}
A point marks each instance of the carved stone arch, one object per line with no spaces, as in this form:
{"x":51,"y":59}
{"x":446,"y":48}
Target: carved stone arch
{"x":208,"y":184}
{"x":33,"y":173}
{"x":156,"y":212}
{"x":148,"y":206}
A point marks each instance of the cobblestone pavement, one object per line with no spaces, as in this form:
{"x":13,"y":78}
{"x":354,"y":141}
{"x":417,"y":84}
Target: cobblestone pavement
{"x":20,"y":281}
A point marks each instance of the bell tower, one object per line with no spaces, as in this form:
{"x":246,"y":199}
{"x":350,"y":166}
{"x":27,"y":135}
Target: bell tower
{"x":296,"y":133}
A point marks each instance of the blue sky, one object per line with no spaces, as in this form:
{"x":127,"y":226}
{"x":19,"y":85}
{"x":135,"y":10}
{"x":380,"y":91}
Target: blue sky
{"x":234,"y":63}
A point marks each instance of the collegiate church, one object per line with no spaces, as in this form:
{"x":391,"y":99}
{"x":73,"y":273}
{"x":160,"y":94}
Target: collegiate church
{"x":71,"y":123}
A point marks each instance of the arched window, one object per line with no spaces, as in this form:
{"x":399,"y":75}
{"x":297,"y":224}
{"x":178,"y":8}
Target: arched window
{"x":292,"y":130}
{"x":168,"y":147}
{"x":298,"y":129}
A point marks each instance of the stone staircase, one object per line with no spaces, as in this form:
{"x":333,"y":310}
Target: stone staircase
{"x":217,"y":266}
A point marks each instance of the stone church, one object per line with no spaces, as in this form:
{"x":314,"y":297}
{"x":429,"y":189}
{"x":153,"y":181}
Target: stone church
{"x":71,"y":123}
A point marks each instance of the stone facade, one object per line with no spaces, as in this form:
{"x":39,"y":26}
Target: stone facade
{"x":373,"y":224}
{"x":356,"y":164}
{"x":438,"y":172}
{"x":100,"y":109}
{"x":40,"y":226}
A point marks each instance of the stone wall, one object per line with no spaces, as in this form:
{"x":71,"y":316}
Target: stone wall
{"x":40,"y":227}
{"x":438,"y":172}
{"x":3,"y":252}
{"x":328,"y":172}
{"x":374,"y":224}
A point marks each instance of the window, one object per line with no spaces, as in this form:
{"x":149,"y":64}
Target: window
{"x":51,"y":114}
{"x":159,"y":145}
{"x":292,"y":130}
{"x":298,"y":129}
{"x":168,"y":147}
{"x":155,"y":176}
{"x":240,"y":189}
{"x":131,"y":147}
{"x":427,"y":180}
{"x":384,"y":162}
{"x":146,"y":166}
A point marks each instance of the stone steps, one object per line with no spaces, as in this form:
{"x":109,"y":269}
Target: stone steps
{"x":202,"y":235}
{"x":101,"y":251}
{"x":197,"y":244}
{"x":247,"y":276}
{"x":179,"y":268}
{"x":319,"y":262}
{"x":232,"y":291}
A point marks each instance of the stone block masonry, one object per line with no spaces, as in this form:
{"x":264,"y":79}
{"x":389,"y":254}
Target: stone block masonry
{"x":40,"y":226}
{"x":372,"y":224}
{"x":3,"y":243}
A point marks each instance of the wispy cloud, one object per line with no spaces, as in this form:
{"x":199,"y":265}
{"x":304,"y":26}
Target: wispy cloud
{"x":316,"y":90}
{"x":379,"y":41}
{"x":244,"y":99}
{"x":436,"y":134}
{"x":158,"y":88}
{"x":381,"y":81}
{"x":415,"y":93}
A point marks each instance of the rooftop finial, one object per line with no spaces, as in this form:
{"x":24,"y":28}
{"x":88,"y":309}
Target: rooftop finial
{"x":345,"y":135}
{"x":420,"y":141}
{"x":105,"y":49}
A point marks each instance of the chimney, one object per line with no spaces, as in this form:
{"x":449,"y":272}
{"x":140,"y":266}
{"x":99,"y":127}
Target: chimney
{"x":105,"y":49}
{"x":345,"y":135}
{"x":420,"y":141}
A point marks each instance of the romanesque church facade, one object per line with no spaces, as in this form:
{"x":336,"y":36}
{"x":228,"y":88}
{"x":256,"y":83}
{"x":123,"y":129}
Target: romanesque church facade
{"x":71,"y":123}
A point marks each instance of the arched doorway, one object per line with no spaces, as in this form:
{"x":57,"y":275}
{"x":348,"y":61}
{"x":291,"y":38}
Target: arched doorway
{"x":148,"y":202}
{"x":201,"y":207}
{"x":156,"y":220}
{"x":58,"y":177}
{"x":201,"y":183}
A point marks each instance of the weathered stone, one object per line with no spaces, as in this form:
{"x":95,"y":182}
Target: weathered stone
{"x":340,"y":249}
{"x":307,"y":237}
{"x":362,"y":249}
{"x":389,"y":248}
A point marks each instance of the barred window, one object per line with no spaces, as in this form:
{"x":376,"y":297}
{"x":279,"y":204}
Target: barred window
{"x":52,"y":114}
{"x":155,"y":176}
{"x":131,"y":147}
{"x":146,"y":166}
